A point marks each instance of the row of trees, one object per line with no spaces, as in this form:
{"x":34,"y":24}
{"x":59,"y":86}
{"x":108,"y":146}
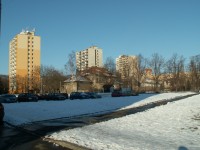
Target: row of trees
{"x":175,"y":71}
{"x":179,"y":75}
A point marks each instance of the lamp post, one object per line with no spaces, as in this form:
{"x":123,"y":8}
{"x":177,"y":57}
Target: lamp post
{"x":41,"y":87}
{"x":60,"y":87}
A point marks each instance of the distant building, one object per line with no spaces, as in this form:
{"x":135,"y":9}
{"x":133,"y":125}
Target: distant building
{"x":92,"y":56}
{"x":101,"y":78}
{"x":77,"y":84}
{"x":123,"y":65}
{"x":24,"y":62}
{"x":93,"y":79}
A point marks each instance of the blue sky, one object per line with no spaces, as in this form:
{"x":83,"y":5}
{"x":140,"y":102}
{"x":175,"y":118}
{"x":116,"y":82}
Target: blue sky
{"x":129,"y":27}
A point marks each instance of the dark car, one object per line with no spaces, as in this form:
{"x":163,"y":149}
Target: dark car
{"x":1,"y":113}
{"x":116,"y":94}
{"x":56,"y":96}
{"x":27,"y":97}
{"x":8,"y":98}
{"x":65,"y":94}
{"x":79,"y":95}
{"x":42,"y":96}
{"x":93,"y":95}
{"x":129,"y":93}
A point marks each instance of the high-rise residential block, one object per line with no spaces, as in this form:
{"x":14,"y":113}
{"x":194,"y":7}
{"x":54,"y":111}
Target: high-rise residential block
{"x":124,"y":65}
{"x":89,"y":57}
{"x":24,"y":62}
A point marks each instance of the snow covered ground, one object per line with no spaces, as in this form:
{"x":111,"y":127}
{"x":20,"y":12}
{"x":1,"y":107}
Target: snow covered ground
{"x":174,"y":126}
{"x":27,"y":112}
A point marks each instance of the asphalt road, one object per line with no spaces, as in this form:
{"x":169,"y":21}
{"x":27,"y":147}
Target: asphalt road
{"x":19,"y":139}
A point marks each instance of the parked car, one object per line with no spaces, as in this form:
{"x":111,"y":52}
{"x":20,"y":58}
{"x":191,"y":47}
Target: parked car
{"x":65,"y":94}
{"x":124,"y":93}
{"x":8,"y":98}
{"x":56,"y":96}
{"x":79,"y":95}
{"x":93,"y":95}
{"x":1,"y":113}
{"x":116,"y":94}
{"x":42,"y":96}
{"x":27,"y":97}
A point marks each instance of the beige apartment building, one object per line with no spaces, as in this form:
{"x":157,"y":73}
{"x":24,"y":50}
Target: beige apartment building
{"x":24,"y":63}
{"x":123,"y":65}
{"x":89,"y":57}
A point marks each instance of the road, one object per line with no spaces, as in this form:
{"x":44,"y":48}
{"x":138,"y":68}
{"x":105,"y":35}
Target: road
{"x":20,"y":139}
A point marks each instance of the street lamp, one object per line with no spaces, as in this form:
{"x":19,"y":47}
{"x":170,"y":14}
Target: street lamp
{"x":41,"y":87}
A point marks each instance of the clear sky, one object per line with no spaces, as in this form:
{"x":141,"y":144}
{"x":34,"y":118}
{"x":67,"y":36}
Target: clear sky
{"x":129,"y":27}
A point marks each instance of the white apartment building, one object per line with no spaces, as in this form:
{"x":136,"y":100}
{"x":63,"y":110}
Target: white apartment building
{"x":123,"y":64}
{"x":92,"y":56}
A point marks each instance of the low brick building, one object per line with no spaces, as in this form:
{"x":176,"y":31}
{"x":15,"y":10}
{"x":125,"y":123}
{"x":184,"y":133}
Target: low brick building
{"x":77,"y":84}
{"x":93,"y":79}
{"x":102,"y":79}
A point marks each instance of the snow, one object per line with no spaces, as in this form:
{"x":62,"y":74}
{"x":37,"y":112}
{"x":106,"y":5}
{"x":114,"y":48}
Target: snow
{"x":170,"y":126}
{"x":28,"y":112}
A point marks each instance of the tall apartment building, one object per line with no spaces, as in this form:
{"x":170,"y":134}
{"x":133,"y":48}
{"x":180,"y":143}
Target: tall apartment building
{"x":24,"y":62}
{"x":89,"y":57}
{"x":123,"y":65}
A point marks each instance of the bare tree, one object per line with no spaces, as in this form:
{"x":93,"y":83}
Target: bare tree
{"x":157,"y":65}
{"x":194,"y":69}
{"x":51,"y":79}
{"x":22,"y":84}
{"x":127,"y":72}
{"x":175,"y":72}
{"x":70,"y":66}
{"x":110,"y":64}
{"x":36,"y":79}
{"x":138,"y":66}
{"x":3,"y":84}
